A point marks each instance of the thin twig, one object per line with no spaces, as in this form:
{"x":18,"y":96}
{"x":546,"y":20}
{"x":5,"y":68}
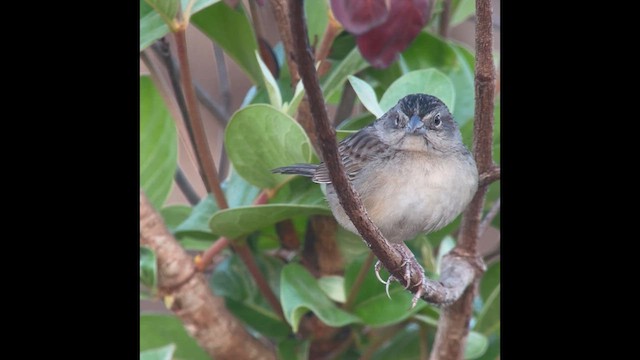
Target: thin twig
{"x":203,"y":154}
{"x":345,"y":107}
{"x":489,"y":176}
{"x":212,"y":106}
{"x":161,"y":48}
{"x":444,"y":18}
{"x":245,"y":255}
{"x":186,"y":188}
{"x":223,"y":78}
{"x":357,"y":283}
{"x":207,"y":256}
{"x":281,"y":14}
{"x":495,"y":209}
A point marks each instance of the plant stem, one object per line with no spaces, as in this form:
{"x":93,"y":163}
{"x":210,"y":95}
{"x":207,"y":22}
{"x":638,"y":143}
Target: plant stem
{"x":357,"y":283}
{"x":223,"y":78}
{"x":495,"y":209}
{"x":245,"y":255}
{"x":281,"y":14}
{"x":203,"y":154}
{"x":444,"y":18}
{"x":211,"y":252}
{"x":186,"y":188}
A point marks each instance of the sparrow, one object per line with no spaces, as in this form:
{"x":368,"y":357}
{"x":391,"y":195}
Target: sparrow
{"x":410,"y":168}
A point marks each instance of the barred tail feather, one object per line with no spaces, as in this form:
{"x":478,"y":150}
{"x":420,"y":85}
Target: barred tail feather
{"x":307,"y":170}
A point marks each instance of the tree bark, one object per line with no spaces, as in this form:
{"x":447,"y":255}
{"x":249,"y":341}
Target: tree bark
{"x":204,"y":315}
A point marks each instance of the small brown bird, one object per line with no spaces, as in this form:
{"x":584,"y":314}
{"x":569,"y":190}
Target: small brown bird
{"x":410,"y":168}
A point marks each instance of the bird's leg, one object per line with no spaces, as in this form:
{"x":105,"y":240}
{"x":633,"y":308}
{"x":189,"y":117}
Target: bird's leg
{"x":407,"y":256}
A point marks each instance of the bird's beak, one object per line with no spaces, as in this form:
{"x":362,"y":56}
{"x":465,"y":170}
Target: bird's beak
{"x":415,"y":125}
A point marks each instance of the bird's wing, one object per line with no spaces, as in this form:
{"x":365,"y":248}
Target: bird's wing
{"x":354,"y":150}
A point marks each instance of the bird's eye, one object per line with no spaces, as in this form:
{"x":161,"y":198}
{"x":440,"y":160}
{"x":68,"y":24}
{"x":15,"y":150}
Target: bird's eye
{"x":437,"y":122}
{"x":397,"y":120}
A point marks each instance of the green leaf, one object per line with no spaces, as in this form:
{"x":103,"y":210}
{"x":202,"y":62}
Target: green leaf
{"x":231,"y":280}
{"x":238,"y":191}
{"x":366,"y":95}
{"x":429,"y":81}
{"x":446,"y":245}
{"x":300,"y":293}
{"x":490,"y":280}
{"x":461,"y":75}
{"x":232,"y":31}
{"x":244,"y":220}
{"x":198,"y":221}
{"x":351,"y":64}
{"x":488,"y":320}
{"x":158,"y":144}
{"x":493,"y":350}
{"x":159,"y":330}
{"x":174,"y":215}
{"x":429,"y":51}
{"x":260,"y":138}
{"x":291,"y":107}
{"x":270,"y":83}
{"x":333,"y":286}
{"x":292,"y":349}
{"x":300,"y":191}
{"x":477,"y":345}
{"x":317,"y":16}
{"x":148,"y":267}
{"x":163,"y":353}
{"x":372,"y":305}
{"x":167,"y":9}
{"x":260,"y":319}
{"x":152,"y":27}
{"x":462,"y":12}
{"x":405,"y":345}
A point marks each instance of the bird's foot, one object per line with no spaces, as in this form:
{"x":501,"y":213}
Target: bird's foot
{"x":407,"y":256}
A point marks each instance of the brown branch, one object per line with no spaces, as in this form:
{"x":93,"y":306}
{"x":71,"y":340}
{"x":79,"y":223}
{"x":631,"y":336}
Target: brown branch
{"x":201,"y":146}
{"x":489,"y":176}
{"x":245,"y":255}
{"x":442,"y":292}
{"x":495,"y":209}
{"x":445,"y":16}
{"x":453,"y":327}
{"x":281,"y":14}
{"x":185,"y":186}
{"x":204,"y":315}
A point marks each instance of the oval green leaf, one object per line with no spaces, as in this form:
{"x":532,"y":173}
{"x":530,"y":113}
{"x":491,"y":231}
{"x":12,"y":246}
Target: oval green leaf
{"x":300,"y":293}
{"x":232,"y":31}
{"x":351,"y":64}
{"x":244,"y":220}
{"x":429,"y":81}
{"x":158,"y":144}
{"x":163,"y":353}
{"x":260,"y":138}
{"x":367,"y":96}
{"x":333,"y":286}
{"x":159,"y":330}
{"x":148,"y":267}
{"x":477,"y":345}
{"x":453,"y":60}
{"x":275,"y":98}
